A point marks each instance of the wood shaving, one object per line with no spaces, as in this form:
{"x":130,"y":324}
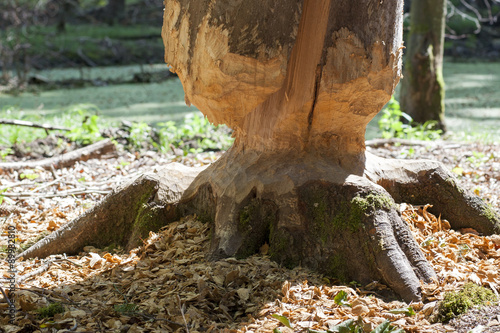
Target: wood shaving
{"x":169,"y":282}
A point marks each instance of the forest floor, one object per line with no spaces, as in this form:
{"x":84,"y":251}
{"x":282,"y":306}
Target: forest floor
{"x":168,"y":285}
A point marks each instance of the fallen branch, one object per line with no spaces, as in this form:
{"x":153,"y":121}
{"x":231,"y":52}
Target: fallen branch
{"x":30,"y":124}
{"x":65,"y":160}
{"x":50,"y":294}
{"x":87,"y":60}
{"x":45,"y":267}
{"x":181,"y":307}
{"x":377,"y":143}
{"x":5,"y":296}
{"x":55,"y":195}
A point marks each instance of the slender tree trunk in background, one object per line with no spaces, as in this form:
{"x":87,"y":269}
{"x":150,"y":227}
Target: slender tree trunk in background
{"x":422,"y":90}
{"x":114,"y":11}
{"x":298,"y":81}
{"x":64,"y":10}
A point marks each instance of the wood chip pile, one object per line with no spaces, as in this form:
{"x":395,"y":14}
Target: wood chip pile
{"x":169,"y":285}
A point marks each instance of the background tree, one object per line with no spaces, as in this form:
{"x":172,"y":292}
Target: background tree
{"x":114,"y":11}
{"x":298,"y":82}
{"x":422,"y":90}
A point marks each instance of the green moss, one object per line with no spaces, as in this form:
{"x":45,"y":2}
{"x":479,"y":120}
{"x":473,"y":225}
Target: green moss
{"x":50,"y":310}
{"x":351,"y":215}
{"x":148,"y":219}
{"x":453,"y":184}
{"x":280,"y":247}
{"x":254,"y":223}
{"x":113,"y":248}
{"x":127,"y":309}
{"x":319,"y":215}
{"x":489,"y":213}
{"x":204,"y":217}
{"x":245,"y":215}
{"x":337,"y":268}
{"x":317,"y":201}
{"x":29,"y":243}
{"x":457,"y":303}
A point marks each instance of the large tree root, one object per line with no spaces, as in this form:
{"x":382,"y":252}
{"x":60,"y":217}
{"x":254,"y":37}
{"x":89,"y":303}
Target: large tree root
{"x":125,"y":216}
{"x":421,"y":182}
{"x":94,"y":150}
{"x":310,"y":212}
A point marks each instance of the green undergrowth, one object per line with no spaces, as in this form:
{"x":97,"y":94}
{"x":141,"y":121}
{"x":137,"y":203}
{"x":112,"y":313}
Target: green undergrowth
{"x":50,"y":310}
{"x":88,"y":44}
{"x":394,"y":123}
{"x":196,"y":134}
{"x":457,"y":303}
{"x":82,"y":120}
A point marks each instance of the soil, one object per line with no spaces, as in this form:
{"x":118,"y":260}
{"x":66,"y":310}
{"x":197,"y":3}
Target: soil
{"x":487,"y":317}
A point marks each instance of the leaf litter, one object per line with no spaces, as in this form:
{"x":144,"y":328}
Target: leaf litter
{"x":170,"y":285}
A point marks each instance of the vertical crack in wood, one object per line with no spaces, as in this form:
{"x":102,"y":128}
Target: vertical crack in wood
{"x":319,"y":71}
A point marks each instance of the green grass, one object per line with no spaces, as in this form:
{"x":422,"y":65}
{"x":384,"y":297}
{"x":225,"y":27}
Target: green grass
{"x":195,"y":134}
{"x":50,"y":310}
{"x":77,"y":117}
{"x":123,"y":73}
{"x":472,"y":102}
{"x":97,"y":42}
{"x":151,"y":103}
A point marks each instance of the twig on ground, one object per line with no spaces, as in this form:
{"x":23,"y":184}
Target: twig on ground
{"x":45,"y":266}
{"x":87,"y":60}
{"x":182,"y":313}
{"x":53,"y":172}
{"x":72,"y":262}
{"x":95,"y":150}
{"x":5,"y":296}
{"x":55,"y":195}
{"x":30,"y":124}
{"x":377,"y":143}
{"x":55,"y":181}
{"x":72,"y":329}
{"x":54,"y":296}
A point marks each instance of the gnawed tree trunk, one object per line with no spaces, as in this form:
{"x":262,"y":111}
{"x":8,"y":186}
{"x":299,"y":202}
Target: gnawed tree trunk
{"x":422,"y":89}
{"x":298,"y":82}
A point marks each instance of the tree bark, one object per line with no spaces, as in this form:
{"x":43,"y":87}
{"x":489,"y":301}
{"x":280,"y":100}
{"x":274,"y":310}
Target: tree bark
{"x":422,"y":90}
{"x":114,"y":11}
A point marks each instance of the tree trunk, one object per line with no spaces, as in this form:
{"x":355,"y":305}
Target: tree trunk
{"x":64,"y":7}
{"x":298,"y":81}
{"x":422,"y":90}
{"x":114,"y":11}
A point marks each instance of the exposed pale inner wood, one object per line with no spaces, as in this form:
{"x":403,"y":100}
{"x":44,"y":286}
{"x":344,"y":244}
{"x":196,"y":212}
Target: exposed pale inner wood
{"x":314,"y":100}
